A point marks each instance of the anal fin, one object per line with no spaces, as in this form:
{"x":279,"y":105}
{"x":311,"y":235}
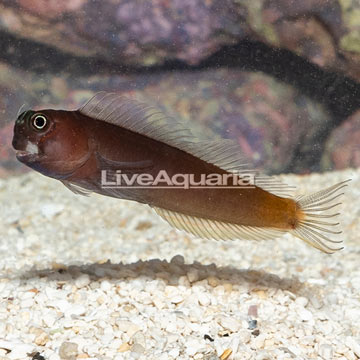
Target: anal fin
{"x":217,"y":230}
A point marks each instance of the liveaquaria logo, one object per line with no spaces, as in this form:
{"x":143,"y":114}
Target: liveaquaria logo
{"x":162,"y":180}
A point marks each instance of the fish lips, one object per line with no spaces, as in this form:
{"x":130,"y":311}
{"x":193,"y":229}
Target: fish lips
{"x":27,"y":156}
{"x":25,"y":153}
{"x":26,"y":150}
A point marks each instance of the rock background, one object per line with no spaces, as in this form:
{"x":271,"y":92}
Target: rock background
{"x":327,"y":32}
{"x":280,"y":77}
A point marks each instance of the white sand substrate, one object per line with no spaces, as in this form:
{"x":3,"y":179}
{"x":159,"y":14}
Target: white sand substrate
{"x":101,"y":278}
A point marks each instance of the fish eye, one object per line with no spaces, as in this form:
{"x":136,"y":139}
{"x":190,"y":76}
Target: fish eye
{"x":39,"y":122}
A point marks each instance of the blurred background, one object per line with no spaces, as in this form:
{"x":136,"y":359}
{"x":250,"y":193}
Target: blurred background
{"x":280,"y":77}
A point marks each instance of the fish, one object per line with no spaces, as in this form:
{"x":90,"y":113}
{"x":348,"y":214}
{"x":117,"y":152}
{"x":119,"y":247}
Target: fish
{"x":118,"y":147}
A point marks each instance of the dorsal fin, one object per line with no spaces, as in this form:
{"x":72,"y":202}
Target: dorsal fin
{"x":148,"y":121}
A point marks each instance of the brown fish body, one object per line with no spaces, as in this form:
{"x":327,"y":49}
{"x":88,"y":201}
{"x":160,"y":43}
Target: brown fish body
{"x":250,"y":206}
{"x":118,"y":136}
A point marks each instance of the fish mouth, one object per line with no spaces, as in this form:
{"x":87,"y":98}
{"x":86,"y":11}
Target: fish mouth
{"x":27,"y":152}
{"x":27,"y":156}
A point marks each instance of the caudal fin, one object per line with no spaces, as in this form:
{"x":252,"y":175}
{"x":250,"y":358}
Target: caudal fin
{"x":314,"y":211}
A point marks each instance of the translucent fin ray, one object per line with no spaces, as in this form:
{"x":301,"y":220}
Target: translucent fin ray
{"x":315,"y":232}
{"x":78,"y":190}
{"x":217,"y":230}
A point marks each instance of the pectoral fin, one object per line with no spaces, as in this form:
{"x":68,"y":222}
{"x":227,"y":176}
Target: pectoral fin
{"x":78,"y":190}
{"x":125,"y":166}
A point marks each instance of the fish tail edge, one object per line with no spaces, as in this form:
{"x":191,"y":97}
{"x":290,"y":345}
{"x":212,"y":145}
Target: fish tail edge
{"x":313,"y":214}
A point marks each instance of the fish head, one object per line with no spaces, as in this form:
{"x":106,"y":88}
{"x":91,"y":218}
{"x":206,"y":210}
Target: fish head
{"x":52,"y":142}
